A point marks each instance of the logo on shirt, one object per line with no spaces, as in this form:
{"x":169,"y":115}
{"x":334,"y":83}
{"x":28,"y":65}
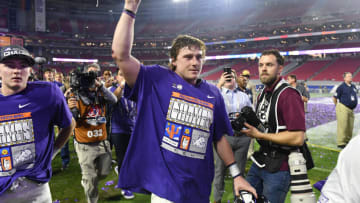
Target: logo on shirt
{"x":210,"y":97}
{"x":17,"y":147}
{"x":177,"y":86}
{"x":22,"y":106}
{"x":188,"y":126}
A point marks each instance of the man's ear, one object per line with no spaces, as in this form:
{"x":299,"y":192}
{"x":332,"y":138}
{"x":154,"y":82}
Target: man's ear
{"x":173,"y":61}
{"x":281,"y":68}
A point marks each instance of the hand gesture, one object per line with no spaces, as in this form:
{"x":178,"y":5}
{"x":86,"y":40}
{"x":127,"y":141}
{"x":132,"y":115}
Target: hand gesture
{"x":241,"y":184}
{"x":251,"y":131}
{"x":67,"y":92}
{"x":224,"y":76}
{"x":97,"y":83}
{"x":72,"y":102}
{"x":109,"y":82}
{"x":132,"y":5}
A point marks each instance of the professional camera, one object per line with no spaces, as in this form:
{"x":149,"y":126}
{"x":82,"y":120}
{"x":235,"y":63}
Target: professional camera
{"x":248,"y":197}
{"x":247,"y":115}
{"x":82,"y":81}
{"x":301,"y":190}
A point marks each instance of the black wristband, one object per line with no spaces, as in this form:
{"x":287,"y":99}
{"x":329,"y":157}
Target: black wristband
{"x":130,"y":13}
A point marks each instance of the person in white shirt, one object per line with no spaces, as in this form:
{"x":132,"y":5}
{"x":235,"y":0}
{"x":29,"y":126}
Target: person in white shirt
{"x":343,"y":183}
{"x":234,"y":100}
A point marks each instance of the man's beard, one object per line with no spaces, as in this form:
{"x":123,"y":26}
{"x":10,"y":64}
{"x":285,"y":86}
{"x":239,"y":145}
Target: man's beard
{"x":268,"y":81}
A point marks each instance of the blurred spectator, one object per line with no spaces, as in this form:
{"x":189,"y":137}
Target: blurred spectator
{"x":234,"y":100}
{"x":341,"y":185}
{"x":305,"y":95}
{"x":123,"y":115}
{"x":345,"y":99}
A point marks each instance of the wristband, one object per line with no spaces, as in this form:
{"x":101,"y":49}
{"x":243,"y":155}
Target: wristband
{"x":130,"y":13}
{"x":234,"y":170}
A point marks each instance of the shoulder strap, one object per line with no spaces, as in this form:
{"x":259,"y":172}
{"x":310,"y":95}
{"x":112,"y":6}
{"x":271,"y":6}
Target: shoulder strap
{"x":273,"y":118}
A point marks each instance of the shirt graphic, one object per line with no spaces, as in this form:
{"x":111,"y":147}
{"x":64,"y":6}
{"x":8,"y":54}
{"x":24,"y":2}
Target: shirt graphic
{"x":17,"y":147}
{"x":187,"y":128}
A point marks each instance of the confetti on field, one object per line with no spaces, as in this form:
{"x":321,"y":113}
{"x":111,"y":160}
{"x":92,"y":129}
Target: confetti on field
{"x":108,"y":183}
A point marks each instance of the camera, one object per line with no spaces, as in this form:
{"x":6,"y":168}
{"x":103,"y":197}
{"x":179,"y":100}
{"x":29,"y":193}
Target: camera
{"x":247,"y":115}
{"x":247,"y":197}
{"x":228,"y":71}
{"x":82,"y":81}
{"x":301,"y":190}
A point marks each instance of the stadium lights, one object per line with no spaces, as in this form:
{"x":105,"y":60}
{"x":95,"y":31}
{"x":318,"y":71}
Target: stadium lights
{"x":177,"y":1}
{"x":288,"y":53}
{"x":75,"y":60}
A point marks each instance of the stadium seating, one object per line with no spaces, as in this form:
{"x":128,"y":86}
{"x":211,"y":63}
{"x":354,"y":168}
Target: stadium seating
{"x":307,"y":69}
{"x":335,"y":71}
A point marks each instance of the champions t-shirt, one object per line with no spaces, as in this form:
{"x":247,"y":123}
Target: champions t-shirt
{"x":170,"y":152}
{"x":26,"y":132}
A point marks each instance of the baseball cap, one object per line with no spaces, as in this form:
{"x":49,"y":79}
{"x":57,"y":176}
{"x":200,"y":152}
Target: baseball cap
{"x":245,"y":73}
{"x":15,"y":51}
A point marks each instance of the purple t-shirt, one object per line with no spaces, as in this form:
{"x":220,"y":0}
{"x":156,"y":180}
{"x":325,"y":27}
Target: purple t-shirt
{"x":27,"y":121}
{"x":123,"y":115}
{"x":170,"y":152}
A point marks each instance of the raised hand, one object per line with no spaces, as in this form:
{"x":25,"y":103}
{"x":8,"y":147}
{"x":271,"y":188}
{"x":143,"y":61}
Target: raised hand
{"x":132,"y":5}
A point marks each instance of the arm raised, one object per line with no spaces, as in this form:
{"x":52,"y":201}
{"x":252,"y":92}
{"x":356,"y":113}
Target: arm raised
{"x":123,"y":41}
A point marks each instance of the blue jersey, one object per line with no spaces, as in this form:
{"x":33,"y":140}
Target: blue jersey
{"x":26,"y":132}
{"x":170,"y":152}
{"x":123,"y":115}
{"x":347,"y":95}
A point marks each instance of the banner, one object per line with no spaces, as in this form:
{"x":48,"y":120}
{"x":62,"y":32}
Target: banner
{"x":17,"y":41}
{"x":4,"y":41}
{"x":40,"y":13}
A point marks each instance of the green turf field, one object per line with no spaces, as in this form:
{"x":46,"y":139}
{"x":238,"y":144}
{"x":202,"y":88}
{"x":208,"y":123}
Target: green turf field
{"x":65,"y":185}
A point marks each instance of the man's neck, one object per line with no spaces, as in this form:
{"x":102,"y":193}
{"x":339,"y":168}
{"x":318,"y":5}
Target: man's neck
{"x":8,"y":91}
{"x":270,"y":86}
{"x":293,"y":85}
{"x":242,"y":88}
{"x":348,"y":83}
{"x":229,"y":87}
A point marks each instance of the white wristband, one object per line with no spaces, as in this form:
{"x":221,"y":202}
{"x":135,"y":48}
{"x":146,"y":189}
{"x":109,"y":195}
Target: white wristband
{"x":234,"y":170}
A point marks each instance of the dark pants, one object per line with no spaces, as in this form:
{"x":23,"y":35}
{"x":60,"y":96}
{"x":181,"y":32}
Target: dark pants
{"x":121,"y":142}
{"x":240,"y":147}
{"x":65,"y":154}
{"x":274,"y":186}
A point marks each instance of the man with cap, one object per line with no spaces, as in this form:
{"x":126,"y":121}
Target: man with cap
{"x":244,"y":84}
{"x":28,"y":112}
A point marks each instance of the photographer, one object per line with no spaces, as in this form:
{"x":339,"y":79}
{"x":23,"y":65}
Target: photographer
{"x":234,"y":100}
{"x":281,"y":110}
{"x":87,"y":103}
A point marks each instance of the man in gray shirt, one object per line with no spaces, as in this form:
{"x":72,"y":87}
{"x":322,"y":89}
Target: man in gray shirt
{"x":305,"y":95}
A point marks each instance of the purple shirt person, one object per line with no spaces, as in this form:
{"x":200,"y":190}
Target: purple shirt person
{"x":27,"y":116}
{"x":179,"y":117}
{"x":123,"y":115}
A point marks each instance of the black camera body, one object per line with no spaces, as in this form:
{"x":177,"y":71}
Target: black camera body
{"x":82,"y":81}
{"x":247,"y":115}
{"x":247,"y":197}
